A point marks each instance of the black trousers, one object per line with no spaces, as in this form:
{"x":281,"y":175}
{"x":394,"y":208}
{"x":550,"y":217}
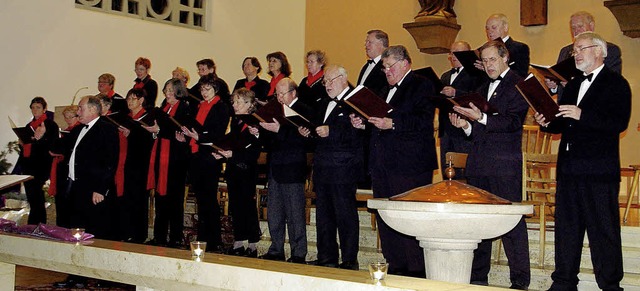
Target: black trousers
{"x":583,"y":205}
{"x":337,"y":213}
{"x":35,"y":197}
{"x":169,"y":216}
{"x":204,"y":174}
{"x":516,"y":241}
{"x":242,"y":204}
{"x":402,"y":252}
{"x":95,"y":219}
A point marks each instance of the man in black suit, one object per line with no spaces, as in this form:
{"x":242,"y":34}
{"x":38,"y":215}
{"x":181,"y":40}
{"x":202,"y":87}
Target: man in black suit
{"x":497,"y":26}
{"x":495,"y":160}
{"x":337,"y":166}
{"x":287,"y":174}
{"x":580,"y":22}
{"x":371,"y":75}
{"x":93,"y":157}
{"x":594,"y":110}
{"x":403,"y":153}
{"x":458,"y":82}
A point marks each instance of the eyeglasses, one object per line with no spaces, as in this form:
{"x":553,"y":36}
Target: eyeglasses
{"x":385,"y":69}
{"x":132,"y":98}
{"x":283,"y":93}
{"x":577,"y":51}
{"x":328,"y":82}
{"x":206,"y":88}
{"x":489,"y":60}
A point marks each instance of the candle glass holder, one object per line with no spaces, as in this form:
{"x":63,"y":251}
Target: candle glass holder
{"x":198,"y":249}
{"x":77,"y":233}
{"x":378,"y":271}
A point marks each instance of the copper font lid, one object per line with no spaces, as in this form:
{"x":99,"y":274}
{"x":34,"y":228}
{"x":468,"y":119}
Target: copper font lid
{"x":450,"y":192}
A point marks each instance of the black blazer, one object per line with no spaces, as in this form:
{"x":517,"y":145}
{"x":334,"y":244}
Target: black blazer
{"x":261,"y":88}
{"x":518,"y":56}
{"x":593,"y":141}
{"x":497,"y":146}
{"x":214,"y":126}
{"x":96,"y":157}
{"x":38,"y":164}
{"x":376,"y":81}
{"x":312,"y":95}
{"x":338,"y":158}
{"x":409,"y":149}
{"x":286,"y":149}
{"x":464,"y":83}
{"x":139,"y":145}
{"x":151,"y":87}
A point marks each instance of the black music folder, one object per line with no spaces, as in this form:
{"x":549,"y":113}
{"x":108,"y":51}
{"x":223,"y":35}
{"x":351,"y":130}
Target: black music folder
{"x":273,"y":109}
{"x":538,"y":97}
{"x":445,"y":104}
{"x":560,"y":72}
{"x":366,"y":103}
{"x":468,"y":60}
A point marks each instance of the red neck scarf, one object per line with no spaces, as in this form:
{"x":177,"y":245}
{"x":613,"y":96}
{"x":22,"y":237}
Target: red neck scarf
{"x":34,"y":124}
{"x":122,"y":157}
{"x":274,"y":82}
{"x":163,"y":163}
{"x":249,"y":84}
{"x":111,"y":93}
{"x":312,"y":79}
{"x":140,"y":82}
{"x":203,"y":111}
{"x":138,"y":115}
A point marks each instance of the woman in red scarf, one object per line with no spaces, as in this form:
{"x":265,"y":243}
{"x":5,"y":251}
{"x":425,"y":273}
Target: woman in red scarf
{"x":143,"y":81}
{"x":251,"y":68}
{"x":36,"y":159}
{"x":212,"y":120}
{"x":279,"y":69}
{"x":169,"y":164}
{"x":311,"y":90}
{"x":60,"y":172}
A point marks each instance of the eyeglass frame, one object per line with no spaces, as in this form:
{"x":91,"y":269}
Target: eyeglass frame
{"x":574,"y":52}
{"x":282,"y":94}
{"x":385,"y":69}
{"x":329,"y":82}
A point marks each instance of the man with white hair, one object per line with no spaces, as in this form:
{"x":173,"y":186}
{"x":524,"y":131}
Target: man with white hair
{"x":594,"y":109}
{"x":580,"y":22}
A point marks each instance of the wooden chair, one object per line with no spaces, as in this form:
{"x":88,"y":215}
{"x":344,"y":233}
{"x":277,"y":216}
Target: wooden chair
{"x":539,"y":189}
{"x":261,"y":186}
{"x":535,"y":141}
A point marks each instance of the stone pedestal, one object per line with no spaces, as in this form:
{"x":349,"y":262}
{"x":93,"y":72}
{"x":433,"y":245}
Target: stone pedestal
{"x":7,"y":276}
{"x":448,"y":260}
{"x":433,"y":34}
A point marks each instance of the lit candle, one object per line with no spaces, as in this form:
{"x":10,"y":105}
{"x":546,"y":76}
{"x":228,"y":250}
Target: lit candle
{"x":198,"y":252}
{"x":77,"y":235}
{"x":378,"y":275}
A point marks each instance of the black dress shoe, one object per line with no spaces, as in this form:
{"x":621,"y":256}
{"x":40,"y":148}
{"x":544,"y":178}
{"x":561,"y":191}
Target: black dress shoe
{"x":297,"y":260}
{"x":236,"y":252}
{"x":272,"y":257}
{"x":249,"y":253}
{"x":350,"y":265}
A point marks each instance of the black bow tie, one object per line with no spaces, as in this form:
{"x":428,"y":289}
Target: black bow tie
{"x":86,"y":126}
{"x":499,"y":78}
{"x":394,"y":86}
{"x":587,"y":77}
{"x":370,"y":61}
{"x":455,"y":70}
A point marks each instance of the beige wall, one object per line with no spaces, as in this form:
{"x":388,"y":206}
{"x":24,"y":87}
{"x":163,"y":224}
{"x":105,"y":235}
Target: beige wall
{"x":339,"y":27}
{"x":50,"y":48}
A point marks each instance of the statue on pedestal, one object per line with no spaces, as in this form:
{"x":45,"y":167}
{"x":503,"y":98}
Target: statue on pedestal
{"x":442,"y":8}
